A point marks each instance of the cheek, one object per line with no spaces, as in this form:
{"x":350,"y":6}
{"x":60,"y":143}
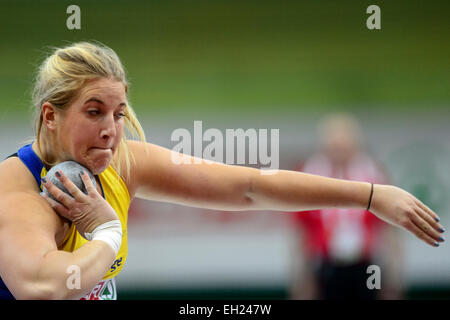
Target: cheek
{"x":69,"y":137}
{"x":83,"y":134}
{"x":79,"y":139}
{"x":119,"y":131}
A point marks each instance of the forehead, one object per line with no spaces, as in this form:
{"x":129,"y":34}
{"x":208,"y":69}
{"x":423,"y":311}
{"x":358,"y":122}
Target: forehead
{"x":104,"y":88}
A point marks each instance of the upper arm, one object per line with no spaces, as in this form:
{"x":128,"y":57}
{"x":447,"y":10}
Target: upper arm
{"x":27,"y":233}
{"x":29,"y":228}
{"x":156,"y":176}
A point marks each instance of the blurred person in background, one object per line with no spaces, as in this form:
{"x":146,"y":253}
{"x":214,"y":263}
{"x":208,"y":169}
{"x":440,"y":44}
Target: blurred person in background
{"x":336,"y":246}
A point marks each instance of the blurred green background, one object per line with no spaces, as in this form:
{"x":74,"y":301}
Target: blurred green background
{"x":257,"y":59}
{"x":244,"y":56}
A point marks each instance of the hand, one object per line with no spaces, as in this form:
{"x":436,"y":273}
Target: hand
{"x":85,"y":211}
{"x":402,"y":209}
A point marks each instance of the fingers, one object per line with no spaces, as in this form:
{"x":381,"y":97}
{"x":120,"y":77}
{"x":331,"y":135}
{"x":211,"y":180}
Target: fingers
{"x":87,"y":183}
{"x":69,"y":185}
{"x":427,"y":210}
{"x":431,"y":221}
{"x":58,"y":207}
{"x":57,"y":193}
{"x":426,"y":227}
{"x":66,"y":199}
{"x":418,"y":232}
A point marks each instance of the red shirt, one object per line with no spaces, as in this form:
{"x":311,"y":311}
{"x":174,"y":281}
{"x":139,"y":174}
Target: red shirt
{"x":346,"y":235}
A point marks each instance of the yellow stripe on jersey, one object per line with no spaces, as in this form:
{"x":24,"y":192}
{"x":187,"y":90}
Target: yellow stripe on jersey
{"x":116,"y":194}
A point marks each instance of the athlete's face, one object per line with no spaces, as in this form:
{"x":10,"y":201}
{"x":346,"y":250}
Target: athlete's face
{"x":90,"y":129}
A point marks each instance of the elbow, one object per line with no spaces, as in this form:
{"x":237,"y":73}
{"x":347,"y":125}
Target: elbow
{"x":41,"y":291}
{"x":247,"y":197}
{"x":35,"y":295}
{"x":252,"y":198}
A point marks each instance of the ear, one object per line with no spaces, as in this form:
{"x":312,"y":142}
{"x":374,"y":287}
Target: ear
{"x":49,"y":116}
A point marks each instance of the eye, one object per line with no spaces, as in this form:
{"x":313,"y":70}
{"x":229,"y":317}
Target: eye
{"x":120,"y":115}
{"x":94,"y":112}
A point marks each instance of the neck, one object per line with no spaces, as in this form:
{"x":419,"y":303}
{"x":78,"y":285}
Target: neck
{"x":47,"y":161}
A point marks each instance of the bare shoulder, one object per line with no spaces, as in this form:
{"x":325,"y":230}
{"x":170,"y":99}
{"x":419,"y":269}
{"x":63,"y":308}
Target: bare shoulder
{"x":148,"y":159}
{"x":145,"y":149}
{"x":14,"y":175}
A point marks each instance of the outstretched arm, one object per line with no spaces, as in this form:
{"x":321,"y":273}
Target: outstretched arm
{"x":289,"y":190}
{"x":162,"y":175}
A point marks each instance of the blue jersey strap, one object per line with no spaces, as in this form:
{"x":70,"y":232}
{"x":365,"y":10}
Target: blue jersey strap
{"x":5,"y":294}
{"x":32,"y":161}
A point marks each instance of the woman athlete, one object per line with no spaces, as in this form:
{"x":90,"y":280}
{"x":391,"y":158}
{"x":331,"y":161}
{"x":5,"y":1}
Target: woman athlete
{"x":81,"y":108}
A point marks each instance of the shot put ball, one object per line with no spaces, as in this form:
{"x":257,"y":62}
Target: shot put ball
{"x":72,"y":170}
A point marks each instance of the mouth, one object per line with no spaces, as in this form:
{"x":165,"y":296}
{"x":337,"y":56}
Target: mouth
{"x":101,"y":149}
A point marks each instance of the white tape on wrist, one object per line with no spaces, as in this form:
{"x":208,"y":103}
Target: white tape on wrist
{"x":109,"y":232}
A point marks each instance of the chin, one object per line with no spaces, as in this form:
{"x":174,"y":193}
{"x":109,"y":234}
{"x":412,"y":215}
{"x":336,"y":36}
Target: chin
{"x":97,"y":162}
{"x":100,"y":167}
{"x":96,"y":166}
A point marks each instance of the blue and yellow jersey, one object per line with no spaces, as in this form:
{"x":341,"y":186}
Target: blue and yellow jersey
{"x":116,"y":194}
{"x":114,"y":191}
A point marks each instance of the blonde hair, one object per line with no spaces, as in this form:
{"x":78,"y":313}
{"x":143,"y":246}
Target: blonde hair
{"x":60,"y":78}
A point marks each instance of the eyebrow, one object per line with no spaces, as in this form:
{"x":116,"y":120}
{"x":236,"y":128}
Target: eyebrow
{"x":122,"y":104}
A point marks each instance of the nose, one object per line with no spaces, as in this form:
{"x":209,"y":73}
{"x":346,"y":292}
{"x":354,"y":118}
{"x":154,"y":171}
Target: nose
{"x":108,"y":130}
